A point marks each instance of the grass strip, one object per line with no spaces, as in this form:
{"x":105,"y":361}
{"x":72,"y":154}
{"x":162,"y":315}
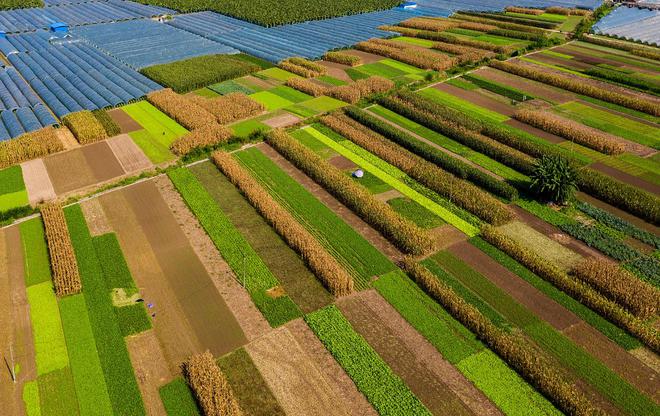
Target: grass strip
{"x":113,"y":354}
{"x":31,"y":398}
{"x":57,"y":393}
{"x":49,"y":343}
{"x":383,"y":388}
{"x":235,"y":249}
{"x":462,"y":105}
{"x":178,"y":400}
{"x":35,"y":252}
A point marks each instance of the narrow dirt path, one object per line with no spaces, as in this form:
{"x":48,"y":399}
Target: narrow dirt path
{"x":337,"y":207}
{"x":440,"y":386}
{"x":151,"y":369}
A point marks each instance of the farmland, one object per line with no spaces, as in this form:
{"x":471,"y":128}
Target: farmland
{"x":311,"y":209}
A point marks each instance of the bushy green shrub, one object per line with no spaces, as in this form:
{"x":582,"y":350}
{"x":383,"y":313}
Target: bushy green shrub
{"x":554,"y":179}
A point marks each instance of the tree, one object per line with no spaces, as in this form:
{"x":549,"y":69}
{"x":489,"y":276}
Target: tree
{"x":554,"y":179}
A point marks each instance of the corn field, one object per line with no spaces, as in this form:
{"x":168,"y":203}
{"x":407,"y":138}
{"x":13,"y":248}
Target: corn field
{"x":85,"y":127}
{"x":342,"y":58}
{"x":210,"y":386}
{"x":181,"y":109}
{"x":29,"y":146}
{"x":409,"y":54}
{"x":229,"y":108}
{"x":303,"y":67}
{"x":62,"y":256}
{"x":207,"y":136}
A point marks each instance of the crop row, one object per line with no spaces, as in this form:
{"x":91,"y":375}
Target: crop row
{"x":572,"y":130}
{"x":620,"y":286}
{"x":574,"y":288}
{"x":200,"y":138}
{"x":462,"y":193}
{"x":229,"y":108}
{"x":488,"y":20}
{"x":463,"y":54}
{"x":210,"y":386}
{"x":524,"y":10}
{"x":532,"y":364}
{"x":235,"y":249}
{"x":303,"y":67}
{"x":324,"y":266}
{"x":388,"y":394}
{"x":342,"y":58}
{"x":109,"y":125}
{"x":501,"y":89}
{"x":29,"y":146}
{"x":623,"y":78}
{"x":409,"y":54}
{"x":62,"y":257}
{"x":449,"y":38}
{"x":85,"y":127}
{"x":638,"y":50}
{"x":181,"y":109}
{"x":433,"y":154}
{"x":578,"y":87}
{"x":499,"y":18}
{"x":567,"y":12}
{"x":351,"y":93}
{"x":403,"y":233}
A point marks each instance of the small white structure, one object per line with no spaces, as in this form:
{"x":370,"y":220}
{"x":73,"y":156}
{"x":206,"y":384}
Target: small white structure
{"x":358,"y":173}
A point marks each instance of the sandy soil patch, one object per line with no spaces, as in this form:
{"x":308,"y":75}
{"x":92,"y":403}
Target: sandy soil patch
{"x":238,"y":300}
{"x":97,"y":222}
{"x":616,"y":358}
{"x":178,"y":340}
{"x":67,"y":138}
{"x":532,"y":87}
{"x":15,"y":325}
{"x":367,"y":58}
{"x":387,"y":195}
{"x":37,"y":182}
{"x":477,"y":98}
{"x":298,"y":384}
{"x":337,"y":207}
{"x":619,"y":213}
{"x":355,"y":401}
{"x":441,"y":388}
{"x":283,"y":120}
{"x":537,"y":132}
{"x":648,"y":357}
{"x":130,"y":156}
{"x":125,"y":122}
{"x":150,"y":367}
{"x":626,"y":178}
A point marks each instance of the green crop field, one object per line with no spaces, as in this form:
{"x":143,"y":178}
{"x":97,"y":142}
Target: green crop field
{"x":159,"y":131}
{"x":462,"y":105}
{"x":12,"y":189}
{"x":49,"y":343}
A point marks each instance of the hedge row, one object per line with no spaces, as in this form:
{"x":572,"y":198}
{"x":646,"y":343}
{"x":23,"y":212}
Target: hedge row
{"x":319,"y":261}
{"x":479,"y":18}
{"x":434,"y":155}
{"x":572,"y":130}
{"x":66,"y":277}
{"x":462,"y":193}
{"x":624,"y":46}
{"x":501,"y":89}
{"x":28,"y":146}
{"x":181,"y":109}
{"x":463,"y":131}
{"x":229,"y":108}
{"x":522,"y":22}
{"x":619,"y":224}
{"x":403,"y":233}
{"x":111,"y":127}
{"x":529,"y":361}
{"x":85,"y":127}
{"x":620,"y":286}
{"x":578,"y":87}
{"x":629,"y":198}
{"x":623,"y":78}
{"x":303,"y":67}
{"x":342,"y":58}
{"x":576,"y":289}
{"x":409,"y":54}
{"x":213,"y":393}
{"x":203,"y":137}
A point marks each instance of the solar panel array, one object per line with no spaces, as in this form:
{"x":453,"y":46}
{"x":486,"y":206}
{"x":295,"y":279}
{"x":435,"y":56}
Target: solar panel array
{"x":141,"y":43}
{"x":631,"y":23}
{"x":310,"y":39}
{"x":70,"y":75}
{"x":20,"y":109}
{"x":26,"y":20}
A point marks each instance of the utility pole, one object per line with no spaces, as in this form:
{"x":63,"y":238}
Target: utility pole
{"x":11,"y":358}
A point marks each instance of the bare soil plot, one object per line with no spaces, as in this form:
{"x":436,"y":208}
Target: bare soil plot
{"x":367,"y":58}
{"x":441,"y":388}
{"x":283,"y":120}
{"x":584,"y":55}
{"x":447,"y":235}
{"x":371,"y":235}
{"x":298,"y":384}
{"x":337,"y":70}
{"x":553,"y":60}
{"x":340,"y":162}
{"x":67,"y":138}
{"x":626,"y":178}
{"x":82,"y":167}
{"x":477,"y":98}
{"x":258,"y":82}
{"x":355,"y":401}
{"x":151,"y":370}
{"x":125,"y":122}
{"x":537,"y":89}
{"x":387,"y":195}
{"x":556,"y":234}
{"x":238,"y":300}
{"x":130,"y":156}
{"x":536,"y":132}
{"x":619,"y":213}
{"x":94,"y":214}
{"x":15,"y":326}
{"x":37,"y":182}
